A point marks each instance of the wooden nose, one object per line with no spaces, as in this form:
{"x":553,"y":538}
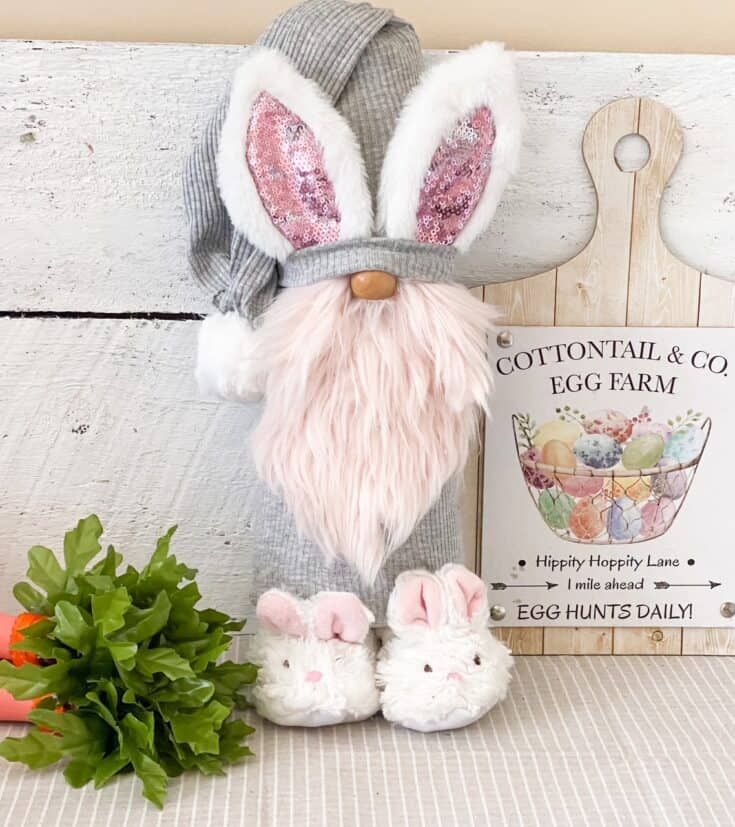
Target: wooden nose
{"x":373,"y":285}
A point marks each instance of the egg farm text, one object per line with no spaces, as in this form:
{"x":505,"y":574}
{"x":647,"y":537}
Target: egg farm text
{"x":614,"y":380}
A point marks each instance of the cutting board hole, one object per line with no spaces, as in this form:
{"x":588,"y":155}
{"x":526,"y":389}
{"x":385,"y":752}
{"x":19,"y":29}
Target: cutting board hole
{"x":632,"y":153}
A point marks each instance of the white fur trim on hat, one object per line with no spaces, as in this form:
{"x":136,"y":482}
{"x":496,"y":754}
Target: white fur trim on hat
{"x":225,"y":365}
{"x":481,"y":76}
{"x":267,"y":70}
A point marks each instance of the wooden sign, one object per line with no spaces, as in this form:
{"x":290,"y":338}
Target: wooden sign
{"x":625,"y":276}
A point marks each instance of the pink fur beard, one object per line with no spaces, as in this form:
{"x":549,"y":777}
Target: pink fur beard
{"x":371,"y":408}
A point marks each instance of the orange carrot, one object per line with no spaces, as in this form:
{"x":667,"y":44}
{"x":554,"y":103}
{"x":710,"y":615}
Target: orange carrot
{"x":17,"y":656}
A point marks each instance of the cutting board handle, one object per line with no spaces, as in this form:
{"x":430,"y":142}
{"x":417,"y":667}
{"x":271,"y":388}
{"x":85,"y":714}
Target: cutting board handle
{"x":626,"y":247}
{"x":633,"y":116}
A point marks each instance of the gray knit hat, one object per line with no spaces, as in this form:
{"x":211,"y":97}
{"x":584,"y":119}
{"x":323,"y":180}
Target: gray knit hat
{"x":365,"y":62}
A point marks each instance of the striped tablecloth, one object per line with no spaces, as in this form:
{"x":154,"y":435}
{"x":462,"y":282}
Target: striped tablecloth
{"x":580,"y":740}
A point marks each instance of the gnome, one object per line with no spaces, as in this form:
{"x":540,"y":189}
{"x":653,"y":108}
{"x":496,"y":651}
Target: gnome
{"x":328,"y":199}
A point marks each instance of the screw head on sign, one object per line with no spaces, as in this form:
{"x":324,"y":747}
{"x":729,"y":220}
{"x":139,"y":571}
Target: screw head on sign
{"x":497,"y":612}
{"x":727,"y":610}
{"x":505,"y":338}
{"x":657,"y":636}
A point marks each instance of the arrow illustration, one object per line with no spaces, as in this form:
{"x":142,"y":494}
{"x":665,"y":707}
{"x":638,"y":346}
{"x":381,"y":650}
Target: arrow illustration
{"x":499,"y":587}
{"x":662,"y":584}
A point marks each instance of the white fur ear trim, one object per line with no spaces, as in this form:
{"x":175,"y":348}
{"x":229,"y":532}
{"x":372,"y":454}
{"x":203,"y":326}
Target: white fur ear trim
{"x":481,"y":76}
{"x":267,"y":70}
{"x":226,"y":366}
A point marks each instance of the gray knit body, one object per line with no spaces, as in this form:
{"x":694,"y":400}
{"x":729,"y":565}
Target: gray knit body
{"x":366,"y":60}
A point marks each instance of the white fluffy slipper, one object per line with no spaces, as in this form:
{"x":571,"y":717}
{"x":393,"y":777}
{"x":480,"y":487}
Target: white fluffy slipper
{"x":439,"y":667}
{"x":317,"y":659}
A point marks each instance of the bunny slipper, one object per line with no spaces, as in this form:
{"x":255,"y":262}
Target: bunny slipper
{"x":440,"y":667}
{"x":316,"y":658}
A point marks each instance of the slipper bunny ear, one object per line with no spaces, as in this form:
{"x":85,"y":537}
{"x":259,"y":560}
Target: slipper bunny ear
{"x":417,"y":601}
{"x":454,"y":148}
{"x":467,"y":595}
{"x":281,"y":613}
{"x":341,"y":616}
{"x":289,"y":167}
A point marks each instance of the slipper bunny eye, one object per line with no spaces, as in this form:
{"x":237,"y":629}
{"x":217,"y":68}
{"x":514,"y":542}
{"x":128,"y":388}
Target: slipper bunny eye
{"x":427,"y":668}
{"x":286,"y":664}
{"x":477,"y":660}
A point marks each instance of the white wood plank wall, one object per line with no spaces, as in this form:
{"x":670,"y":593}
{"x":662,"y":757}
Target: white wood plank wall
{"x":102,"y":413}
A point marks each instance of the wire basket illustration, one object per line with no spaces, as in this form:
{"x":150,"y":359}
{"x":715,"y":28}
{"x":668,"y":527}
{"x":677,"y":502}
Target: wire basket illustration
{"x":604,"y":478}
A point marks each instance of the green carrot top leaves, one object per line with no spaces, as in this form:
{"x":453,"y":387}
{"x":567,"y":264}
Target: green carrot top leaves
{"x":130,"y":678}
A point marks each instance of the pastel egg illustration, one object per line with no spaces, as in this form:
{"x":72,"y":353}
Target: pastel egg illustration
{"x":609,"y":422}
{"x":556,"y":508}
{"x":643,"y":451}
{"x":567,"y":432}
{"x":581,"y":485}
{"x":637,"y":489}
{"x":533,"y":476}
{"x":559,"y":454}
{"x":598,"y":450}
{"x":657,"y":516}
{"x":586,"y":520}
{"x":624,"y":521}
{"x":685,"y":444}
{"x":672,"y":484}
{"x":642,"y":428}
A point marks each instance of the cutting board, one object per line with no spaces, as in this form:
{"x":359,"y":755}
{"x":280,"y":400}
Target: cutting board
{"x":625,"y":276}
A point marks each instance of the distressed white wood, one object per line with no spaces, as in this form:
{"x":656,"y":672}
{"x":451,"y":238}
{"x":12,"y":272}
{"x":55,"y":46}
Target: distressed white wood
{"x":103,"y":416}
{"x":93,"y":137}
{"x":92,"y":141}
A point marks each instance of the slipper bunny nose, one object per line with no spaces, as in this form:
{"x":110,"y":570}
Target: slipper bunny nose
{"x":373,"y":285}
{"x":454,"y":676}
{"x":314,"y":676}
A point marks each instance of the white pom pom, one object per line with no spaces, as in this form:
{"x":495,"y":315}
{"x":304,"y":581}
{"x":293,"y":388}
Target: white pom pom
{"x":226,"y":366}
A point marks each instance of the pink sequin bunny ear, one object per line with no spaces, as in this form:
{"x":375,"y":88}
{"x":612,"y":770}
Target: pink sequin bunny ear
{"x":289,"y":167}
{"x":454,"y":149}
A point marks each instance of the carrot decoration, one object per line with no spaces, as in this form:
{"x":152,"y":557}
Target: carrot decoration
{"x":11,"y":634}
{"x":15,"y":711}
{"x":20,"y":656}
{"x":128,"y":659}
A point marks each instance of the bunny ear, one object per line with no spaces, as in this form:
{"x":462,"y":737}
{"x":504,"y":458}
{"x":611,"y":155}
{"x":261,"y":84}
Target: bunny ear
{"x":467,"y":592}
{"x":417,"y":600}
{"x":280,"y":612}
{"x":453,"y":151}
{"x":289,"y":167}
{"x":341,"y":616}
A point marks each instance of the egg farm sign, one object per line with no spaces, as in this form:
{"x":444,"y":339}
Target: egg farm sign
{"x":609,"y":492}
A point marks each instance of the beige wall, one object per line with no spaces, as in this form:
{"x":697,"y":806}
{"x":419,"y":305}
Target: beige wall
{"x":624,"y":25}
